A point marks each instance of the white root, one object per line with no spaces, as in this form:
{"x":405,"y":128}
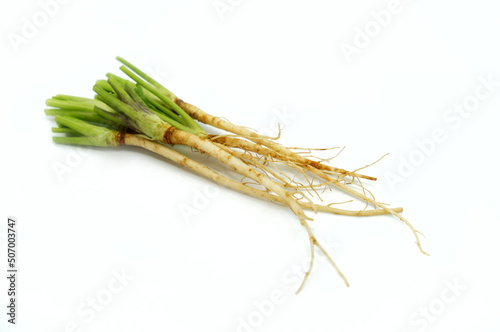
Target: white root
{"x":206,"y":118}
{"x":164,"y":151}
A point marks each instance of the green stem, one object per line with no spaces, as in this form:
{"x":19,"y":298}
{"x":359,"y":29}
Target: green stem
{"x":197,"y":129}
{"x":118,"y":120}
{"x":139,"y":116}
{"x":91,"y":134}
{"x":88,"y":141}
{"x":120,"y":89}
{"x":146,"y":77}
{"x":72,"y":100}
{"x":105,"y":85}
{"x":112,"y":101}
{"x":70,"y":105}
{"x":86,"y":116}
{"x":76,"y":114}
{"x":174,"y":123}
{"x":154,"y":104}
{"x":81,"y":126}
{"x":67,"y":131}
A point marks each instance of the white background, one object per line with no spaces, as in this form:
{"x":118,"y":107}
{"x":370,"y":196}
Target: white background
{"x":119,"y":210}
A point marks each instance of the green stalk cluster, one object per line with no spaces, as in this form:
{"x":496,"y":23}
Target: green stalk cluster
{"x":141,"y":106}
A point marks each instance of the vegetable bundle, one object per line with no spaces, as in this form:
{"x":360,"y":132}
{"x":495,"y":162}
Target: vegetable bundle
{"x":139,"y":111}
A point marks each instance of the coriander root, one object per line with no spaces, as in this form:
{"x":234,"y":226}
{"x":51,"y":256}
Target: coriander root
{"x":141,"y":112}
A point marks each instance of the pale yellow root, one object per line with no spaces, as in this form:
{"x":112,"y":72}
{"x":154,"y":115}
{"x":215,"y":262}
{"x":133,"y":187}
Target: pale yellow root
{"x":320,"y":247}
{"x":367,"y":199}
{"x":164,"y":151}
{"x":174,"y":136}
{"x":265,"y":151}
{"x":312,"y":166}
{"x":203,"y":145}
{"x":206,"y":118}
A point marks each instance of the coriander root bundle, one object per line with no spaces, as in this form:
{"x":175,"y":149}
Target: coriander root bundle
{"x":138,"y":111}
